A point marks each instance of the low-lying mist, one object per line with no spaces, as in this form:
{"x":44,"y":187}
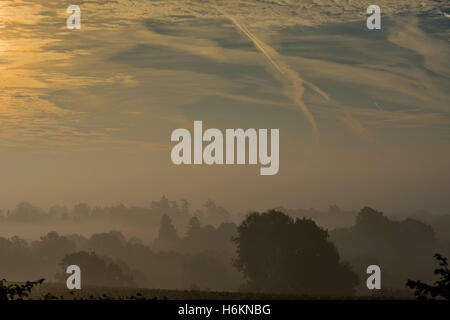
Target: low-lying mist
{"x":171,"y":246}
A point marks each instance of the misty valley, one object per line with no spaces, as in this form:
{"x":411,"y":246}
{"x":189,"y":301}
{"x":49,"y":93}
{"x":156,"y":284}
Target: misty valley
{"x":224,"y":151}
{"x":169,"y":246}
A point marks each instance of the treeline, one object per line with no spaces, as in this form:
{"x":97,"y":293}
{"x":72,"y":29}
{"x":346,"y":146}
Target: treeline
{"x":267,"y":252}
{"x":403,"y":249}
{"x":28,"y":213}
{"x":179,"y":211}
{"x":144,"y":219}
{"x":141,"y":221}
{"x":192,"y":261}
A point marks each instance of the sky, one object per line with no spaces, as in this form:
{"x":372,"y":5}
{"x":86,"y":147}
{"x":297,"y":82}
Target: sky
{"x":86,"y":115}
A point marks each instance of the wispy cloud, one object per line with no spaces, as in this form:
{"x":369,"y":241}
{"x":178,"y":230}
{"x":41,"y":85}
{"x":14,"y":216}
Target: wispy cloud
{"x":295,"y":82}
{"x":436,"y":53}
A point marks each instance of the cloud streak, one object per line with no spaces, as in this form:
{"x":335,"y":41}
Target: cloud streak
{"x":292,"y":77}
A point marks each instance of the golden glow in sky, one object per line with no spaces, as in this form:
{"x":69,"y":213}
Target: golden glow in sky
{"x":85,"y":114}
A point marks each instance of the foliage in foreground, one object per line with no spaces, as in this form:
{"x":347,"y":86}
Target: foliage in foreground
{"x":15,"y":291}
{"x":441,"y":287}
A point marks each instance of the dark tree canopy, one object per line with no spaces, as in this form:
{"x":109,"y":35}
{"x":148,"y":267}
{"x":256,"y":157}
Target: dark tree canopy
{"x":404,"y":248}
{"x":193,"y":228}
{"x":167,"y":231}
{"x":279,"y":254}
{"x":168,"y":239}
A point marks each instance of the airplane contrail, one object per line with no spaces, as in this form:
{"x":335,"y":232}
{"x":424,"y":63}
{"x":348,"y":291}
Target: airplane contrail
{"x":258,"y":44}
{"x":274,"y":58}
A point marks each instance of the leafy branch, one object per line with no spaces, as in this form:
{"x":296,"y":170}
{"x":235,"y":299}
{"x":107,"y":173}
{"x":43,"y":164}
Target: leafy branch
{"x":441,"y":287}
{"x":15,"y":291}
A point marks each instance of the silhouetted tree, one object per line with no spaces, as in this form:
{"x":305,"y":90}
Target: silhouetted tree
{"x":441,"y":287}
{"x":215,"y":214}
{"x":81,"y":211}
{"x":162,"y":205}
{"x":105,"y":243}
{"x":184,"y":207}
{"x":25,"y":212}
{"x":194,"y":228}
{"x":404,"y":248}
{"x":53,"y":246}
{"x":15,"y":258}
{"x":119,"y":236}
{"x":278,"y":254}
{"x":59,"y":212}
{"x":168,"y":238}
{"x":167,"y":231}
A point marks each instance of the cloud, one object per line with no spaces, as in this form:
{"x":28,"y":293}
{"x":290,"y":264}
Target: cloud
{"x":436,"y":53}
{"x":267,"y":13}
{"x":295,"y":82}
{"x":80,"y":88}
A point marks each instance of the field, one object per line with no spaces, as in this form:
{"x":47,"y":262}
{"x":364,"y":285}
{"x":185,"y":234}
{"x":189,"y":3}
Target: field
{"x":58,"y":290}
